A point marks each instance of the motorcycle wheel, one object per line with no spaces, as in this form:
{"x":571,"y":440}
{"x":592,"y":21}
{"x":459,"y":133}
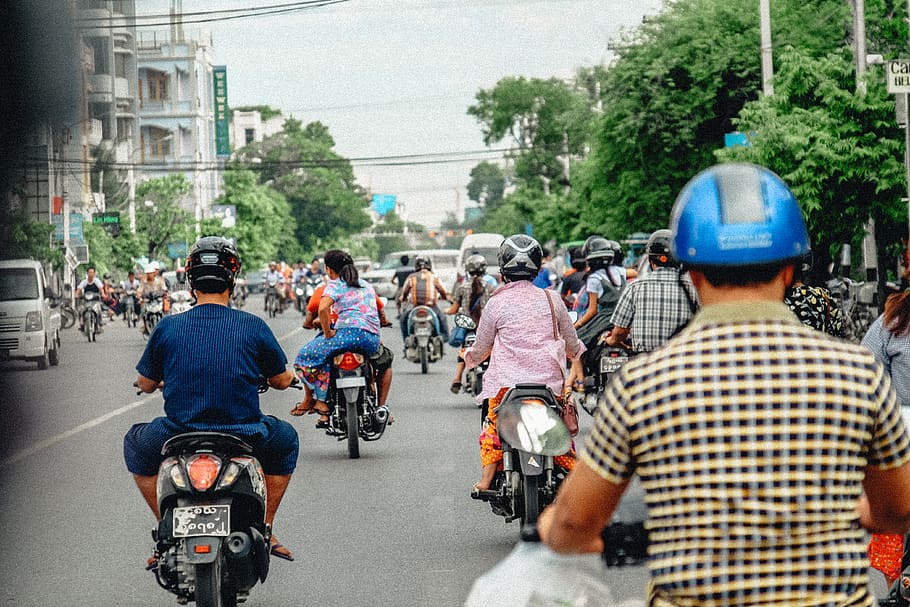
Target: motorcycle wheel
{"x":67,"y":317}
{"x":89,"y":327}
{"x":531,"y":500}
{"x":423,"y":360}
{"x":352,"y":427}
{"x":209,"y":591}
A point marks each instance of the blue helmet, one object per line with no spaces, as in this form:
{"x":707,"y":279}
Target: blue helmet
{"x":737,"y":214}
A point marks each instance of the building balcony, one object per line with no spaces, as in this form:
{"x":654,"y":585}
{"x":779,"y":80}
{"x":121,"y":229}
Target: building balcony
{"x":165,"y":107}
{"x":102,"y":88}
{"x":122,"y":88}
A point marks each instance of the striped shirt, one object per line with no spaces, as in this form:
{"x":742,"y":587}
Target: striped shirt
{"x":894,"y":352}
{"x":653,"y":308}
{"x":750,"y":433}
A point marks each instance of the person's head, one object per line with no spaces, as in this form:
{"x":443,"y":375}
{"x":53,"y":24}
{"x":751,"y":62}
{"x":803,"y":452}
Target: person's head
{"x":341,"y":263}
{"x":422,"y":262}
{"x":90,"y":272}
{"x":658,"y":249}
{"x":598,"y":252}
{"x":737,"y":224}
{"x":130,"y":275}
{"x":148,"y":271}
{"x":577,"y":260}
{"x":475,"y":265}
{"x":314,"y":264}
{"x":404,"y":259}
{"x":212,"y":265}
{"x":273,"y":265}
{"x":520,"y":257}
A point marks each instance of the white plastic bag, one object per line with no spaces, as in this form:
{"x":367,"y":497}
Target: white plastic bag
{"x":535,"y":576}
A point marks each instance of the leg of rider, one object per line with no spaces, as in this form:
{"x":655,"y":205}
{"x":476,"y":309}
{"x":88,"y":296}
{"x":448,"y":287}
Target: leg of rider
{"x":275,"y":486}
{"x":385,"y":382}
{"x":148,"y":487}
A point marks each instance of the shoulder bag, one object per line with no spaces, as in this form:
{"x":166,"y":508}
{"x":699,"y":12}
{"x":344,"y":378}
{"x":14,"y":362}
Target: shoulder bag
{"x":569,"y":410}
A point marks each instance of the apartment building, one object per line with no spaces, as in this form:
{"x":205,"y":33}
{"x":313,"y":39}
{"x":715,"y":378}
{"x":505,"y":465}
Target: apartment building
{"x":176,"y":109}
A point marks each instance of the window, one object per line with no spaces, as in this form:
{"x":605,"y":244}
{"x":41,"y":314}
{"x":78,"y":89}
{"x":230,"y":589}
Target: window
{"x":157,"y":142}
{"x":157,"y":86}
{"x":249,"y":135}
{"x":18,"y":283}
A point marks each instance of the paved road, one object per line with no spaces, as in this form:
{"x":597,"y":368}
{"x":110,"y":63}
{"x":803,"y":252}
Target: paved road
{"x":394,"y":528}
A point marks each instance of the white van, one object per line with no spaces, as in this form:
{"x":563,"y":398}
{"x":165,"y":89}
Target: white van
{"x":484,"y":243}
{"x":29,"y":318}
{"x":444,"y":262}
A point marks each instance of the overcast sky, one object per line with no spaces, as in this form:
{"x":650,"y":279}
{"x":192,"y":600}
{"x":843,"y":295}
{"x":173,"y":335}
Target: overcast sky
{"x":395,"y":77}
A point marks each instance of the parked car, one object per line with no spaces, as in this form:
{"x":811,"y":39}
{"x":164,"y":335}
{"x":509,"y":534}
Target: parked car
{"x":445,"y":266}
{"x":29,"y":314}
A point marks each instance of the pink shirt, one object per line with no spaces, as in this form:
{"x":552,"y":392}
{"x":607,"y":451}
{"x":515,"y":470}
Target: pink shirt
{"x":516,"y":330}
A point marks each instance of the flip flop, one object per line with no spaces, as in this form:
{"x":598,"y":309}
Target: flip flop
{"x":276,"y":550}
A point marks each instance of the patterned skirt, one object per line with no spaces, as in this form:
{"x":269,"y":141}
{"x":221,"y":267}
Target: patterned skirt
{"x":491,"y":448}
{"x":312,"y":363}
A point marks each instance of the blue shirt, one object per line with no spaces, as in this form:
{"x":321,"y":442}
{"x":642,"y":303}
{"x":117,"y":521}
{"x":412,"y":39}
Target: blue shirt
{"x":210,"y":358}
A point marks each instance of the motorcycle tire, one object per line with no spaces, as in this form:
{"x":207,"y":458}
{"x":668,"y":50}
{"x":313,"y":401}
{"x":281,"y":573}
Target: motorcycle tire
{"x":67,"y":317}
{"x":209,"y":589}
{"x":352,"y":428}
{"x":89,"y":327}
{"x":530,"y":500}
{"x":423,"y":360}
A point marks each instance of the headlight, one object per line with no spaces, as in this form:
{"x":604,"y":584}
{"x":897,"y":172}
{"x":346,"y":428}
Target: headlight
{"x":33,"y":321}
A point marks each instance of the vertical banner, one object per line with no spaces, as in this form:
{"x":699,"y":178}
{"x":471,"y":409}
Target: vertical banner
{"x":222,"y":133}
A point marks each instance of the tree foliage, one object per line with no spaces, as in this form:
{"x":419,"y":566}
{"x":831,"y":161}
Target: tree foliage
{"x":165,"y":219}
{"x":487,"y":184}
{"x":20,"y":237}
{"x":319,"y":185}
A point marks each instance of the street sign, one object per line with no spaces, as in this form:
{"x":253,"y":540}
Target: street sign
{"x":383,"y":203}
{"x":898,"y":76}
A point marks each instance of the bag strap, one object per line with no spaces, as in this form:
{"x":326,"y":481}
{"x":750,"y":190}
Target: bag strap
{"x":552,"y":314}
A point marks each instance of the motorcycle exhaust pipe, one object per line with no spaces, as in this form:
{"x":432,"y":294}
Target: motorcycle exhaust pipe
{"x":381,"y":416}
{"x":238,"y":545}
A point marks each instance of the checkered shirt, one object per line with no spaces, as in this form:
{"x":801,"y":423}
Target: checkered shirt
{"x":654,"y":307}
{"x":750,"y":433}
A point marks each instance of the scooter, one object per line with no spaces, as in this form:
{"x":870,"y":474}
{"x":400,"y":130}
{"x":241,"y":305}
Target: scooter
{"x":473,"y":383}
{"x":532,"y":434}
{"x":424,"y":342}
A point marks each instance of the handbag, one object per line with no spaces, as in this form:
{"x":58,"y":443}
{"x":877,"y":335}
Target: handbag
{"x":569,"y":410}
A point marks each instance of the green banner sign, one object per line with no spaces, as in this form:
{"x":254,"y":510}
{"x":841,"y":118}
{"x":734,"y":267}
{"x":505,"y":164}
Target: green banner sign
{"x":222,"y":122}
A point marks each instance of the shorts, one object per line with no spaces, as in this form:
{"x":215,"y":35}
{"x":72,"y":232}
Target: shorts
{"x":274,"y":441}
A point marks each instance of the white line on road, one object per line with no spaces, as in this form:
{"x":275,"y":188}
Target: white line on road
{"x":41,"y":445}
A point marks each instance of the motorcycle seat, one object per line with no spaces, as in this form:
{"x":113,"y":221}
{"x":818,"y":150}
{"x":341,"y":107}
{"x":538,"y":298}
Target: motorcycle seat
{"x":192,"y":442}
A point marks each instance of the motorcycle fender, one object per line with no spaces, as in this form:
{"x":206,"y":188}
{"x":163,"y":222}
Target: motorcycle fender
{"x":532,"y":464}
{"x":350,"y":394}
{"x":210,"y":547}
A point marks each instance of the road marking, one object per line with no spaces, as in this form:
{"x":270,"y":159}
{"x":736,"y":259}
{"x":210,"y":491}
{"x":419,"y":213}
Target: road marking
{"x":41,"y":445}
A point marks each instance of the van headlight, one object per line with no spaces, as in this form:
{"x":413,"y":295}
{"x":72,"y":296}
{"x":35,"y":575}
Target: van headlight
{"x":33,"y":321}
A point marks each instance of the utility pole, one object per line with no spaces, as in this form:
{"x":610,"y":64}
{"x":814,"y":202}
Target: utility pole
{"x":767,"y":67}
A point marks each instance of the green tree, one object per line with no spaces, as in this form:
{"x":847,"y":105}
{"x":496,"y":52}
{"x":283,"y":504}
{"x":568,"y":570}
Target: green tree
{"x":20,"y":237}
{"x":164,"y":219}
{"x":318,"y":184}
{"x":487,"y":184}
{"x":678,"y":84}
{"x":262,"y":226}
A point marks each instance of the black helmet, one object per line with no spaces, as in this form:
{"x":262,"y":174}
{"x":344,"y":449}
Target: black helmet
{"x":475,"y":265}
{"x":212,"y":264}
{"x":598,"y":251}
{"x":520,"y":257}
{"x":658,"y":248}
{"x":422,"y":263}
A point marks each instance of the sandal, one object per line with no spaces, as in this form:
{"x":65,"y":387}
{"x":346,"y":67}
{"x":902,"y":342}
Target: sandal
{"x":304,"y":407}
{"x":277,"y":549}
{"x":323,"y":415}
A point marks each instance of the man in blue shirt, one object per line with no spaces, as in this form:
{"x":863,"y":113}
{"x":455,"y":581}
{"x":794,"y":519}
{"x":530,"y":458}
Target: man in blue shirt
{"x":207,"y":361}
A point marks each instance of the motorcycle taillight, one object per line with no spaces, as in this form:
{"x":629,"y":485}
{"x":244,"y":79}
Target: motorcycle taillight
{"x":422,"y":313}
{"x":348,"y":361}
{"x":203,"y":470}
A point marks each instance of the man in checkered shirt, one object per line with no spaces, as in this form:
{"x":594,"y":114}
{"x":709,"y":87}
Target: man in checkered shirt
{"x":652,"y":309}
{"x":764,"y":448}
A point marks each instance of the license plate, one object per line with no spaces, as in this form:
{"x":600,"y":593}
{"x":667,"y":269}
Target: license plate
{"x":423,"y":331}
{"x":611,"y":364}
{"x":191,"y":521}
{"x":350,"y":382}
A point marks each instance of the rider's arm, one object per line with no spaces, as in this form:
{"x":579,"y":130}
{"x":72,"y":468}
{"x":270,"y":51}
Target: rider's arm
{"x":405,"y":289}
{"x":590,"y":313}
{"x":583,"y":507}
{"x":885,"y":506}
{"x":282,"y":380}
{"x":617,"y":336}
{"x":147,"y":385}
{"x":325,"y":320}
{"x":442,"y":291}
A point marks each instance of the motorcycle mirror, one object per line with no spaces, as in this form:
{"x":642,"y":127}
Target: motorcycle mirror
{"x":573,"y":315}
{"x":533,"y":427}
{"x":465,"y":322}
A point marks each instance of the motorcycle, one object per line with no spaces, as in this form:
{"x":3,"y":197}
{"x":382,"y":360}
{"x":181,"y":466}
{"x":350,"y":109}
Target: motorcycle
{"x":153,"y":311}
{"x":130,"y":307}
{"x":212,"y":542}
{"x":181,"y":301}
{"x":532,"y":434}
{"x":473,"y":382}
{"x":272,"y":299}
{"x":304,"y":289}
{"x":354,"y":410}
{"x":238,"y":296}
{"x":611,"y":359}
{"x":91,"y":314}
{"x":424,"y":342}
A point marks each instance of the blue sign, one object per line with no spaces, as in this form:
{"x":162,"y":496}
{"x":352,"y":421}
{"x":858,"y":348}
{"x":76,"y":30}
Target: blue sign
{"x":76,"y":233}
{"x":176,"y":250}
{"x":737,"y":138}
{"x":383,"y":203}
